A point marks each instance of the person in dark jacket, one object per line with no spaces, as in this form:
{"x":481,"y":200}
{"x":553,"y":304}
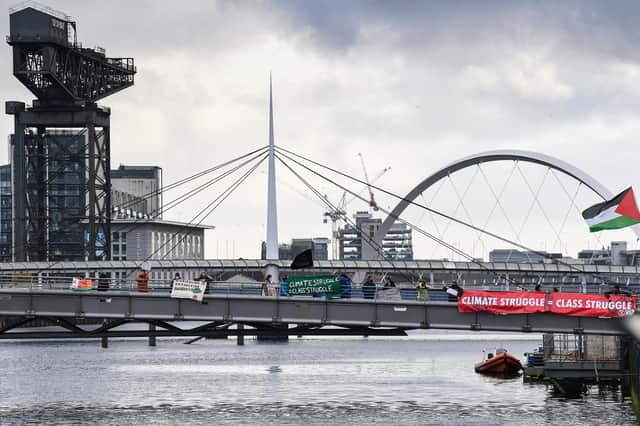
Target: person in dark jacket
{"x":453,"y":292}
{"x":345,"y":286}
{"x":284,"y":286}
{"x":204,"y":277}
{"x":369,"y":289}
{"x":617,"y":290}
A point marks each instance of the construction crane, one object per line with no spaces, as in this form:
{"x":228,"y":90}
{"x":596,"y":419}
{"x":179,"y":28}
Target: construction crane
{"x":336,"y":219}
{"x":372,"y":201}
{"x":336,"y":216}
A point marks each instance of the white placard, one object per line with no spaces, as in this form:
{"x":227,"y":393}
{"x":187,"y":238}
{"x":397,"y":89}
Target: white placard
{"x":193,"y":290}
{"x":452,"y":291}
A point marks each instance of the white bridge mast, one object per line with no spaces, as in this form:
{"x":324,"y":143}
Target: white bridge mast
{"x":272,"y":209}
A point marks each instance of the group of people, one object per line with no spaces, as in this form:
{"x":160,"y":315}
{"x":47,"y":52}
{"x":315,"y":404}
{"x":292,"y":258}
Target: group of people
{"x":369,"y":287}
{"x":142,"y":280}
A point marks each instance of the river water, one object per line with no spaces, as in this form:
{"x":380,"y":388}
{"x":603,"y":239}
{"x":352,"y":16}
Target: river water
{"x":426,"y":378}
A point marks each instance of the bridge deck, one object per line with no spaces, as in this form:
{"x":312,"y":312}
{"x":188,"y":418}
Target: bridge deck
{"x":286,"y":310}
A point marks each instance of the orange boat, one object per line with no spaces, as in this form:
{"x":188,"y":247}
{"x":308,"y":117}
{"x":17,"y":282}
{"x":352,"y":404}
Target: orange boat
{"x":502,"y":363}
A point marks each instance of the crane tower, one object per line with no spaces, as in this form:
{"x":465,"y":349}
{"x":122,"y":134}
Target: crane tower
{"x":61,"y":147}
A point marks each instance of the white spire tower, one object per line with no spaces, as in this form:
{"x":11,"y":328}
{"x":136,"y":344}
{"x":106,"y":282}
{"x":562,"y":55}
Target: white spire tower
{"x":272,"y":210}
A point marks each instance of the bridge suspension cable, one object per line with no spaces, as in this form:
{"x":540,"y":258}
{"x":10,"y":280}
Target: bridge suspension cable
{"x":376,"y":246}
{"x":139,"y":222}
{"x":411,"y":225}
{"x":284,"y":151}
{"x":209,"y":208}
{"x":193,"y":192}
{"x":193,"y":177}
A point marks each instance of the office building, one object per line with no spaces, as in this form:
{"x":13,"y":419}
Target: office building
{"x":6,"y":215}
{"x":156,"y":239}
{"x":396,"y":245}
{"x":137,"y":189}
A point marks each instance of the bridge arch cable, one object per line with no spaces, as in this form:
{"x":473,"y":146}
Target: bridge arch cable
{"x":208,"y":210}
{"x":434,"y":211}
{"x":451,"y":247}
{"x":535,"y":201}
{"x":460,"y":203}
{"x":497,"y":197}
{"x":335,"y":209}
{"x":575,"y":206}
{"x":454,"y":249}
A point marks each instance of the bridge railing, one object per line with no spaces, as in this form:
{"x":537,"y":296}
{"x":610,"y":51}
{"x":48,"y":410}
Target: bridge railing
{"x":403,"y":291}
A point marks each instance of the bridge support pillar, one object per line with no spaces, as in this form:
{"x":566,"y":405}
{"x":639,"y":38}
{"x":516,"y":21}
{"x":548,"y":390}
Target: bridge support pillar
{"x":275,"y":336}
{"x":152,"y":339}
{"x":105,"y":339}
{"x":240,"y":336}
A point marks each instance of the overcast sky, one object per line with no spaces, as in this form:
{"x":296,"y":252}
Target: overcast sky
{"x":412,"y":85}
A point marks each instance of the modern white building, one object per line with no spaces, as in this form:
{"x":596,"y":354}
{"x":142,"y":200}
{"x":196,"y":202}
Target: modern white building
{"x":156,"y":239}
{"x":137,"y":188}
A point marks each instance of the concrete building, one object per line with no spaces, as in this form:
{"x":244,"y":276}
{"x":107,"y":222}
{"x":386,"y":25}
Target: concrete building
{"x":396,"y":245}
{"x":142,"y":239}
{"x":137,"y":188}
{"x":134,"y":236}
{"x":6,"y":214}
{"x":616,"y":254}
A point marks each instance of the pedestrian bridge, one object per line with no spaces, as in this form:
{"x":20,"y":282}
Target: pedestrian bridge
{"x":355,"y":316}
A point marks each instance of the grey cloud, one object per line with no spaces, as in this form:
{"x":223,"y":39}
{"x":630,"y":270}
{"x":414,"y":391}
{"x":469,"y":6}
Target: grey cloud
{"x":439,"y":80}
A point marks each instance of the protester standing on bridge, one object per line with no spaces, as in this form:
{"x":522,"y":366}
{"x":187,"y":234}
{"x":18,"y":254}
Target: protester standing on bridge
{"x":103,"y":281}
{"x":265,"y":285}
{"x":616,"y":290}
{"x":345,"y":286}
{"x":422,"y":291}
{"x":453,"y":292}
{"x":143,"y":281}
{"x":205,"y":278}
{"x":369,"y":289}
{"x":284,"y":286}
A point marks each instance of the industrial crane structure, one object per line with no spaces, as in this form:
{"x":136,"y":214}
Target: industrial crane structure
{"x":338,"y":215}
{"x":60,"y":161}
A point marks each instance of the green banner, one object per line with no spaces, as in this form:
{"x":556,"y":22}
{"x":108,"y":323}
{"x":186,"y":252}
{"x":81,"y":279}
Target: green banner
{"x":326,"y":284}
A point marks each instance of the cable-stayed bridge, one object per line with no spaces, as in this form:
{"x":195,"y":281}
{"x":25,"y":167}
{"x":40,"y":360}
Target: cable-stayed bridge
{"x":38,"y":291}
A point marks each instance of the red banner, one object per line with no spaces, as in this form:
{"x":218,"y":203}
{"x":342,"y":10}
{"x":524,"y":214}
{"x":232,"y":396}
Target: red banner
{"x":573,"y":304}
{"x":593,"y":305}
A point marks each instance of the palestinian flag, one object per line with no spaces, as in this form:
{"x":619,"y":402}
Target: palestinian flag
{"x":619,"y":212}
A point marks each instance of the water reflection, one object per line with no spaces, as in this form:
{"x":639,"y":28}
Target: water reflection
{"x":315,"y":381}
